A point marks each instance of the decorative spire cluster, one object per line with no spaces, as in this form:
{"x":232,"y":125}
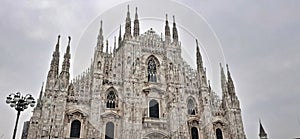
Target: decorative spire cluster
{"x":228,"y":90}
{"x":54,"y":67}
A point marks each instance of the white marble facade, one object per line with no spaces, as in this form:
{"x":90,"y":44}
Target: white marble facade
{"x":142,"y":90}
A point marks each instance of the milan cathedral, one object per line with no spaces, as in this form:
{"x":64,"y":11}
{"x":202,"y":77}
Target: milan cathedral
{"x":142,"y":89}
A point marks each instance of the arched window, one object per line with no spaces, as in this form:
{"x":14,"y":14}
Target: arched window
{"x":75,"y":129}
{"x":151,"y":70}
{"x":191,"y":107}
{"x":194,"y":132}
{"x":109,"y":130}
{"x":219,"y":133}
{"x":153,"y":109}
{"x":111,"y":100}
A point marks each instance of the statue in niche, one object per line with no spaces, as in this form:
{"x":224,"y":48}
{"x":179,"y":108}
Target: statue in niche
{"x":99,"y":65}
{"x":151,"y":71}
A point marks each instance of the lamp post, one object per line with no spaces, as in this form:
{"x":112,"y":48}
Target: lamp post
{"x":20,"y":103}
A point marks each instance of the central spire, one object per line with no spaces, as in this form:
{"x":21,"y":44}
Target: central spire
{"x":127,"y":34}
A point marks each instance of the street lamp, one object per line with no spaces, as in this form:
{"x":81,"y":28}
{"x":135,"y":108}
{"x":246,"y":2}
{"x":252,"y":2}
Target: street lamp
{"x":20,"y":103}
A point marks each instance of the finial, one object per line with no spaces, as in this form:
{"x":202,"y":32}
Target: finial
{"x":174,"y":18}
{"x":57,"y":44}
{"x":115,"y":44}
{"x":58,"y":37}
{"x":128,"y":7}
{"x":197,"y":42}
{"x":42,"y":86}
{"x":101,"y":23}
{"x":227,"y":67}
{"x":166,"y":17}
{"x":106,"y":46}
{"x":136,"y":14}
{"x":69,"y":40}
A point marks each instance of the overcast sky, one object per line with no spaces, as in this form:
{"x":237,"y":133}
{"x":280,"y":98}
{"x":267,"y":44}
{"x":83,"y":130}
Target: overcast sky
{"x":259,"y":38}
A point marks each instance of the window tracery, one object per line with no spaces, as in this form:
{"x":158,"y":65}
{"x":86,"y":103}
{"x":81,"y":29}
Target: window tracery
{"x":191,"y":107}
{"x":152,"y":70}
{"x":111,"y":100}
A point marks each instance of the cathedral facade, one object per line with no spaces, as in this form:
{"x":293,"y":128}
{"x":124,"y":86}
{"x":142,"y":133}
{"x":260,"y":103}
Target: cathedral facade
{"x":143,"y":89}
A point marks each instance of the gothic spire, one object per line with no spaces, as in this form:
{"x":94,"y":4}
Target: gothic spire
{"x":65,"y":74}
{"x":230,"y":82}
{"x":224,"y":88}
{"x":223,"y":79}
{"x":67,"y":56}
{"x":167,"y":30}
{"x":38,"y":105}
{"x":107,"y":46}
{"x":199,"y":58}
{"x":120,"y":38}
{"x":53,"y":72}
{"x":57,"y":44}
{"x":115,"y":45}
{"x":262,"y":133}
{"x":127,"y":34}
{"x":136,"y":28}
{"x":175,"y":34}
{"x":100,"y":38}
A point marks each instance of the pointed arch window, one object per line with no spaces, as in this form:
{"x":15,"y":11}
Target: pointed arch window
{"x":219,"y":133}
{"x":153,"y":109}
{"x":75,"y":129}
{"x":109,"y":130}
{"x":152,"y":66}
{"x":191,"y":107}
{"x":194,"y":133}
{"x":111,"y":100}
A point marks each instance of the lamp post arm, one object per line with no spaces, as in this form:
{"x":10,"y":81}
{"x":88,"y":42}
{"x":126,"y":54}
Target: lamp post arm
{"x":17,"y":120}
